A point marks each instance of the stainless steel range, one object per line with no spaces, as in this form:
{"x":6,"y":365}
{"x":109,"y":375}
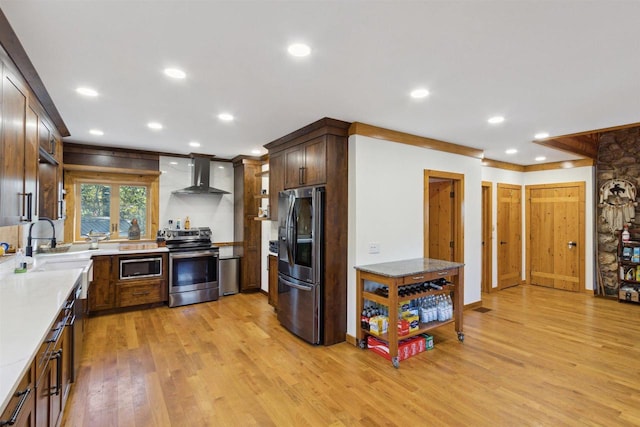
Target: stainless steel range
{"x":193,"y":266}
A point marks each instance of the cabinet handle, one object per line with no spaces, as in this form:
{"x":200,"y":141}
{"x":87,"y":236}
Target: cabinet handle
{"x":417,"y":278}
{"x":137,"y":294}
{"x":60,"y":212}
{"x":503,"y":243}
{"x":300,"y":175}
{"x":56,"y":335}
{"x":443,"y":273}
{"x":27,"y":216}
{"x":16,"y":412}
{"x":58,"y":356}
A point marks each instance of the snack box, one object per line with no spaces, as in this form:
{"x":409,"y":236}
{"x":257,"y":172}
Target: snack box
{"x":406,"y":348}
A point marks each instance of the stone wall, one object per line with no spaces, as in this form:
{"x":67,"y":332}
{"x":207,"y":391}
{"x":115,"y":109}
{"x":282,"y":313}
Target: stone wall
{"x":618,"y":158}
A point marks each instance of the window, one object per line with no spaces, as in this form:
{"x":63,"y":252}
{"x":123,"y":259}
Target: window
{"x":108,"y":203}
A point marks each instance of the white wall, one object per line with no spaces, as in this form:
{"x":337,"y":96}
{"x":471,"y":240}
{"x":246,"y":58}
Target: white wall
{"x":386,"y":183}
{"x":212,"y":210}
{"x":585,"y":174}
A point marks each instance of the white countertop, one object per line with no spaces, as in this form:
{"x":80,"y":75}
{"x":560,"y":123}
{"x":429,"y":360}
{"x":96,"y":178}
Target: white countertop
{"x":29,"y":304}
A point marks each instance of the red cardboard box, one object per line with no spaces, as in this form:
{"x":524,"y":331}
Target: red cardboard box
{"x":406,"y":348}
{"x":403,"y":327}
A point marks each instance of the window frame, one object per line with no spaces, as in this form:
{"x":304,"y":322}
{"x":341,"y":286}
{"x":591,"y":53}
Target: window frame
{"x":74,"y":178}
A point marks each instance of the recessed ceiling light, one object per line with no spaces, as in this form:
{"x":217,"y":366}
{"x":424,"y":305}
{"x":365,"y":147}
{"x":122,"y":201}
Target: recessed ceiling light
{"x":220,"y":167}
{"x":191,"y":164}
{"x":540,"y":158}
{"x":495,"y":120}
{"x":225,"y":117}
{"x":194,"y":144}
{"x":154,"y":125}
{"x":175,"y":73}
{"x":87,"y":91}
{"x":256,"y":151}
{"x":299,"y":49}
{"x":96,"y":132}
{"x":541,"y":135}
{"x":173,"y":163}
{"x":511,"y":151}
{"x":419,"y":93}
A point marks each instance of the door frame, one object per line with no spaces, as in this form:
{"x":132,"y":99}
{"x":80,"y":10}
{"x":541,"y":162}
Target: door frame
{"x":487,"y":237}
{"x":458,"y":218}
{"x":581,"y":185}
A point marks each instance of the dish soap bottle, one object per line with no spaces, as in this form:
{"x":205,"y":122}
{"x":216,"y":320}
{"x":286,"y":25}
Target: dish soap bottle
{"x":21,"y":264}
{"x":187,"y":223}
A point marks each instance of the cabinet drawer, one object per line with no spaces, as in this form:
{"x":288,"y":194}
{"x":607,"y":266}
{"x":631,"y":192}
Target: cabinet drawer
{"x":424,"y":277}
{"x":141,"y":293}
{"x":21,"y":403}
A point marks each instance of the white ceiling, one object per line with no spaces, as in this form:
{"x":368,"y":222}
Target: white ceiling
{"x":554,"y":66}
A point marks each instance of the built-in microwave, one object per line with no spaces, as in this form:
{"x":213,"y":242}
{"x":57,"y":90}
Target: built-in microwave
{"x":137,"y":268}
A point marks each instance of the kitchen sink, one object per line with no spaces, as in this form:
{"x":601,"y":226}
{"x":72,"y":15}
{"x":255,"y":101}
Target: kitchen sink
{"x":68,"y":263}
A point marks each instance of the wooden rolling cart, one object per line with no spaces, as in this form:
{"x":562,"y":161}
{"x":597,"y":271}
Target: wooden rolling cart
{"x":397,"y":274}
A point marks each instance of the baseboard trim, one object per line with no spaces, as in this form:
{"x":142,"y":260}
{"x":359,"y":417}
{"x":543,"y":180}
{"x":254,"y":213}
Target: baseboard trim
{"x":473,"y":305}
{"x":351,"y":340}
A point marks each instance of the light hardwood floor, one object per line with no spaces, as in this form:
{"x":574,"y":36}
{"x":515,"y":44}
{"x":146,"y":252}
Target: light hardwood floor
{"x":538,"y":357}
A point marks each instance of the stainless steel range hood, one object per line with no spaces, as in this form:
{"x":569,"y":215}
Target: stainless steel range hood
{"x":200,"y":178}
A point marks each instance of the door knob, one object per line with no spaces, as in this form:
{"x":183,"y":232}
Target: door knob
{"x":572,"y":244}
{"x":503,"y":243}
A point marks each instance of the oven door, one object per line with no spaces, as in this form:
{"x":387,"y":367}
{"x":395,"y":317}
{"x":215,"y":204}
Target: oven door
{"x":193,"y":270}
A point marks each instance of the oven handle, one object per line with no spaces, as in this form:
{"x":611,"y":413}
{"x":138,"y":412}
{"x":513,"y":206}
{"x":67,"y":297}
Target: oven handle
{"x":178,"y":255}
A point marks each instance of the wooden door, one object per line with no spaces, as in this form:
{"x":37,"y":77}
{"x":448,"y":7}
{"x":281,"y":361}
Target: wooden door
{"x":441,"y":219}
{"x":487,"y":239}
{"x":273,"y":281}
{"x":555,"y":226}
{"x":509,"y":235}
{"x":443,"y":225}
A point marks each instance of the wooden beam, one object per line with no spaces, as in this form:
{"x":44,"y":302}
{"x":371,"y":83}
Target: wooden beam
{"x":569,"y":164}
{"x":582,"y":145}
{"x":490,"y":163}
{"x":371,"y":131}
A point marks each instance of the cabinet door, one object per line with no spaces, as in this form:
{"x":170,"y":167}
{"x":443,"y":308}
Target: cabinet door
{"x":276,"y":182}
{"x":306,"y":164}
{"x":12,"y":135}
{"x":294,"y":164}
{"x":102,"y":289}
{"x":315,"y":162}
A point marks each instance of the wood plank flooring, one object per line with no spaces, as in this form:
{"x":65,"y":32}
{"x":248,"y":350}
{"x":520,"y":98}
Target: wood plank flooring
{"x":538,"y":357}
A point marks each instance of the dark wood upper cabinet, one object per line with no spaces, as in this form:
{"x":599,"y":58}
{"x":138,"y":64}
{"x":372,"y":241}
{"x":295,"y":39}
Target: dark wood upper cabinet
{"x":306,"y":164}
{"x":18,"y":175}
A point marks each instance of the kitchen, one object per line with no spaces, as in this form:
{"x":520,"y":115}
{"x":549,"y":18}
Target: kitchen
{"x":377,"y":227}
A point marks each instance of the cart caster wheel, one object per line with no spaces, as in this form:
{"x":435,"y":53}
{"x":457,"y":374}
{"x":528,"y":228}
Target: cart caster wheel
{"x":395,"y":362}
{"x":460,"y":336}
{"x":362,"y":344}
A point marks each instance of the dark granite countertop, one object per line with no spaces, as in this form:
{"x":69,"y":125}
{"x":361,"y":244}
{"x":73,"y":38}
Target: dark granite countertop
{"x":408,"y":266}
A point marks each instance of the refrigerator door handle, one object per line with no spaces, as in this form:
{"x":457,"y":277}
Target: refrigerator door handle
{"x":295,"y":285}
{"x":289,"y":229}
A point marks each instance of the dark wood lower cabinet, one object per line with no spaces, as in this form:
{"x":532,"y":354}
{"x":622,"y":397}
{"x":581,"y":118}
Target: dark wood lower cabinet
{"x":21,"y":409}
{"x":273,"y":281}
{"x":108,"y":292}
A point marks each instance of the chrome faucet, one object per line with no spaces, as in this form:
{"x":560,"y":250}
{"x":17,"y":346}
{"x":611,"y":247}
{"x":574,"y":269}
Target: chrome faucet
{"x":29,"y":248}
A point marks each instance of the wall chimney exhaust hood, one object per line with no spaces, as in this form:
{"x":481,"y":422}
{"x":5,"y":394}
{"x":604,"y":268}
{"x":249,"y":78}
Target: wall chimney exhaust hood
{"x":200,"y":178}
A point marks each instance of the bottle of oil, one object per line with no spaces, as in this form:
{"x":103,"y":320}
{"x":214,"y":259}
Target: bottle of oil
{"x":187,"y":223}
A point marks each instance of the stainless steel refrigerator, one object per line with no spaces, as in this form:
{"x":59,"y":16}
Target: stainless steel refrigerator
{"x":300,"y":261}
